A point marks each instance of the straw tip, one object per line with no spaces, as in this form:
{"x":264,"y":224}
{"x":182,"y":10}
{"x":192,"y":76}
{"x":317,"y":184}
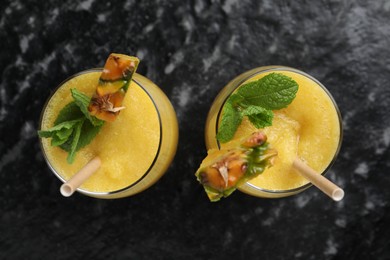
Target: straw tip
{"x":66,"y":190}
{"x":337,"y":194}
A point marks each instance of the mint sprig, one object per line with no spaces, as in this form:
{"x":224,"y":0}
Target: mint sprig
{"x":256,"y":100}
{"x":74,"y":127}
{"x":82,"y":101}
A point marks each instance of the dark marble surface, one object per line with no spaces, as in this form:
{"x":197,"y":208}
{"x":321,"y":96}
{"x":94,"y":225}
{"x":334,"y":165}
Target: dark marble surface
{"x":191,"y":49}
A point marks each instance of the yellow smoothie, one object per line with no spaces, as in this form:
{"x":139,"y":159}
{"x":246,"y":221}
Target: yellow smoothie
{"x":308,"y":128}
{"x":135,"y":149}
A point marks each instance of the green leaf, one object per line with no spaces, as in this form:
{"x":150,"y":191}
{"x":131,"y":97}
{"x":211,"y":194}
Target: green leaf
{"x":231,"y":119}
{"x":258,"y":116}
{"x":82,"y":101}
{"x":56,"y":141}
{"x":61,"y":136}
{"x":235,"y":100}
{"x":70,"y":112}
{"x":88,"y":133}
{"x":64,"y":126}
{"x":66,"y":146}
{"x":253,"y":110}
{"x":261,"y":120}
{"x":256,"y":100}
{"x":75,"y":140}
{"x":273,"y":91}
{"x":74,"y":127}
{"x":64,"y":134}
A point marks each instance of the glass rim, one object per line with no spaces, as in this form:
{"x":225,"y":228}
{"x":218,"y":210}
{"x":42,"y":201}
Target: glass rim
{"x":94,"y":193}
{"x":264,"y":69}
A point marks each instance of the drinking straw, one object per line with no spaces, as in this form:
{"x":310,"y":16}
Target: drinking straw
{"x":325,"y":185}
{"x":69,"y":187}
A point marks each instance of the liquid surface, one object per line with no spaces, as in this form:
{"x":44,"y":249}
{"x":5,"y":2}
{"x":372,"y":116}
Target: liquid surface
{"x":127,"y":147}
{"x":309,"y":128}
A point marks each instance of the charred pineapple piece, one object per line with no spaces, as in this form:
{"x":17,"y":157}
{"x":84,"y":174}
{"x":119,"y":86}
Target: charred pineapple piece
{"x":222,"y":171}
{"x":112,"y":87}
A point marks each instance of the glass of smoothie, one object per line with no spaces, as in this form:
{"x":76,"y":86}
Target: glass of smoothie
{"x":135,"y":150}
{"x":309,"y":128}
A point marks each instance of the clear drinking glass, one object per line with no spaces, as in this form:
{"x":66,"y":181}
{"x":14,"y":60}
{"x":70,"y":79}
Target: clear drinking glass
{"x":167,"y":127}
{"x":215,"y":112}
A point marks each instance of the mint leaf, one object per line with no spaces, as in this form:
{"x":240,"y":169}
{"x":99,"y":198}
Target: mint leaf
{"x":88,"y":133}
{"x":70,"y":112}
{"x":56,"y":141}
{"x":74,"y":127}
{"x":256,"y":100}
{"x":64,"y":126}
{"x":258,"y":116}
{"x":61,"y":136}
{"x":64,"y":134}
{"x":75,"y":140}
{"x":261,"y":120}
{"x":273,"y":91}
{"x":253,"y":110}
{"x":231,"y":119}
{"x":82,"y":101}
{"x":61,"y":132}
{"x":236,"y":100}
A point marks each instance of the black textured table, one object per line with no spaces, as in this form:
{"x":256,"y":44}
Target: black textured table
{"x":191,"y":49}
